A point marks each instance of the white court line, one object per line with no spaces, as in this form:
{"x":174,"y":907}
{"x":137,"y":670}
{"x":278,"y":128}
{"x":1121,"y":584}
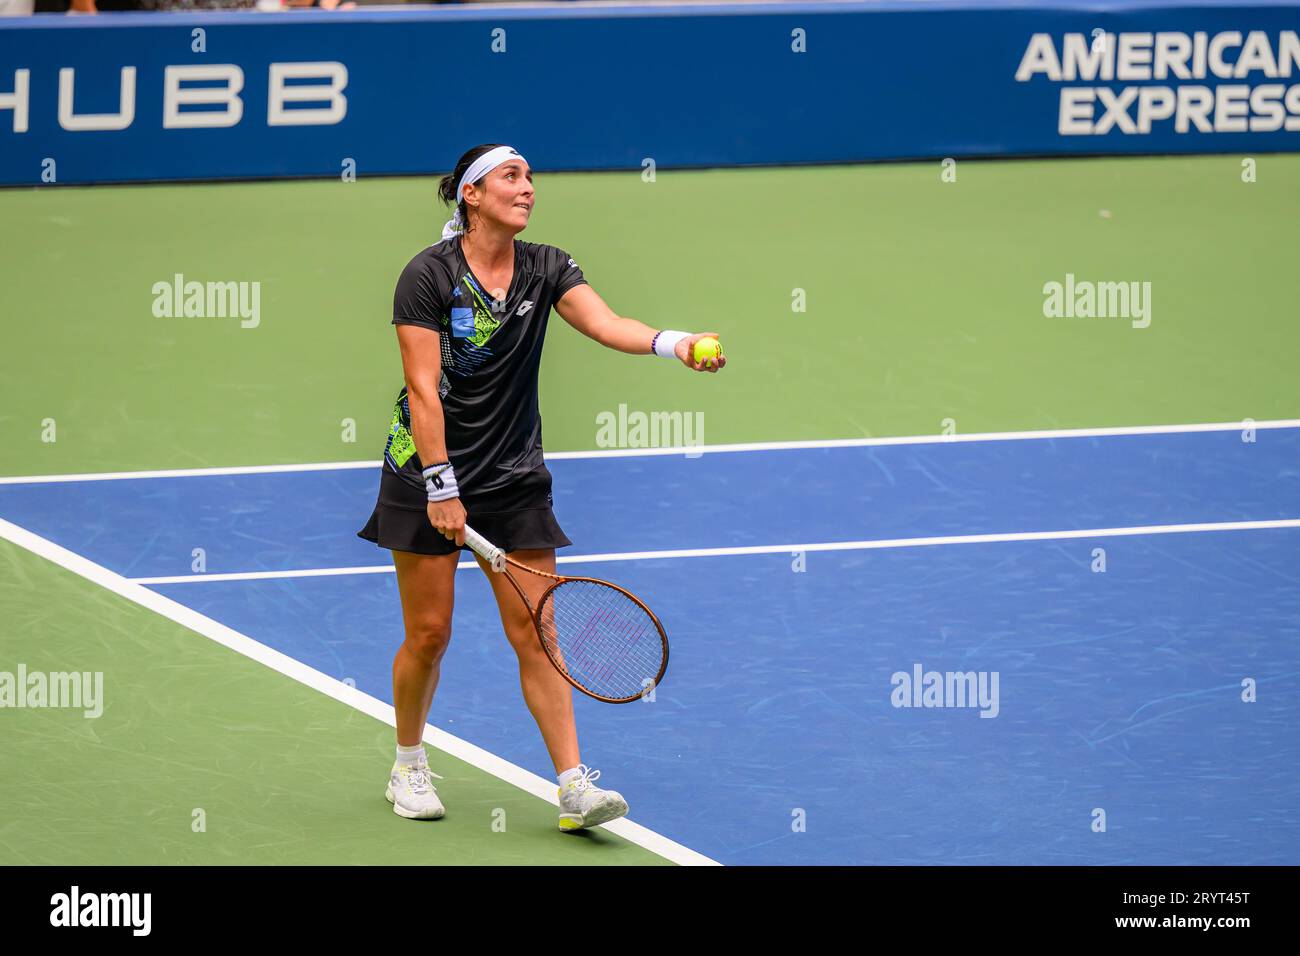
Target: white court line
{"x":288,"y":666}
{"x":693,"y":451}
{"x":876,"y":545}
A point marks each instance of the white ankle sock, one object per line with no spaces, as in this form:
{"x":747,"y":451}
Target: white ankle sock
{"x":410,"y":755}
{"x":569,"y":775}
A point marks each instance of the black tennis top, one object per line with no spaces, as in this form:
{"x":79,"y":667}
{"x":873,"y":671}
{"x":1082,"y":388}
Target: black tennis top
{"x":491,"y":355}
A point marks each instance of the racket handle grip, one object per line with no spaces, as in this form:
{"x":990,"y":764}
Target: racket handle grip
{"x":485,"y":549}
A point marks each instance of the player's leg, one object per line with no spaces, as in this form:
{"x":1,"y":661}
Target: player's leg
{"x":426,"y":584}
{"x":550,"y":698}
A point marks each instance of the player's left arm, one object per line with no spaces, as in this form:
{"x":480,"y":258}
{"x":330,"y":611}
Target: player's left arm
{"x":587,"y":312}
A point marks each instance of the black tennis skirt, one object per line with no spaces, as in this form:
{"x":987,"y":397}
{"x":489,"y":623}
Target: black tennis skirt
{"x":514,"y":518}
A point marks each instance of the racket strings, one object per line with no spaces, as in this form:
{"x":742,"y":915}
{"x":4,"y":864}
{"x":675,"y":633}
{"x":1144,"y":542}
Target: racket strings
{"x":602,"y":638}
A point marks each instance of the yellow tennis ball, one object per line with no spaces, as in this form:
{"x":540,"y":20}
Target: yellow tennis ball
{"x":707,"y":351}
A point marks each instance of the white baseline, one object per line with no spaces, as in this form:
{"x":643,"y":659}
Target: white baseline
{"x":691,"y":451}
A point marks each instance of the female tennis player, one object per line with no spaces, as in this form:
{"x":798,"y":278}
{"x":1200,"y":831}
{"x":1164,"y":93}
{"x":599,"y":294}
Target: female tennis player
{"x":465,"y":446}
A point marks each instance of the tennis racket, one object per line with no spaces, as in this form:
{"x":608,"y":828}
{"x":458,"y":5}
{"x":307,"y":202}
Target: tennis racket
{"x":600,"y":637}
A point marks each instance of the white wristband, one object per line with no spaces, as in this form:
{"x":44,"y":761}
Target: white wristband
{"x":440,"y":482}
{"x":665,"y":343}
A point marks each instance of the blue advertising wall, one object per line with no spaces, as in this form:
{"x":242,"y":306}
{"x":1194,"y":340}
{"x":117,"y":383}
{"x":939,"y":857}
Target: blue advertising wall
{"x":605,"y":87}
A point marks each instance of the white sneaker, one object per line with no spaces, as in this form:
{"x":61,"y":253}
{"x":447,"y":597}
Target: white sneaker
{"x":584,"y":805}
{"x":412,"y":793}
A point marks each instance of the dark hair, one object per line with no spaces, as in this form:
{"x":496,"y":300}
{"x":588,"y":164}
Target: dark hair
{"x":447,"y":187}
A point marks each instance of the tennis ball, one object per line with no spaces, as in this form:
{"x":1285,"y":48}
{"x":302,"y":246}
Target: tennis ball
{"x":707,"y":351}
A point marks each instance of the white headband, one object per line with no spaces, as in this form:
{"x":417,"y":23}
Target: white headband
{"x":477,"y":170}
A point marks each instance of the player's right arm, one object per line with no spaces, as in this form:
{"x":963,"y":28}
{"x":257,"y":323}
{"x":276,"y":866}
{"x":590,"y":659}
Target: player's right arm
{"x":422,"y":367}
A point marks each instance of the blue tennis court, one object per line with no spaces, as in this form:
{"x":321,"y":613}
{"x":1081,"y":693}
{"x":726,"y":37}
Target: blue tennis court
{"x":794,"y":588}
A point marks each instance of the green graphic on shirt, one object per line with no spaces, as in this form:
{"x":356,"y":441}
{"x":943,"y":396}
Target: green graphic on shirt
{"x":485,"y":321}
{"x":401,"y":446}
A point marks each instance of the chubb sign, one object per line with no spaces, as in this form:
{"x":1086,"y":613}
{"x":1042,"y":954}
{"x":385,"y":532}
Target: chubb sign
{"x":318,"y":83}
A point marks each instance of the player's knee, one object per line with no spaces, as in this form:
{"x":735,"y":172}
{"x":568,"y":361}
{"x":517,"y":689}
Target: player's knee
{"x":427,"y":637}
{"x":523,"y":637}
